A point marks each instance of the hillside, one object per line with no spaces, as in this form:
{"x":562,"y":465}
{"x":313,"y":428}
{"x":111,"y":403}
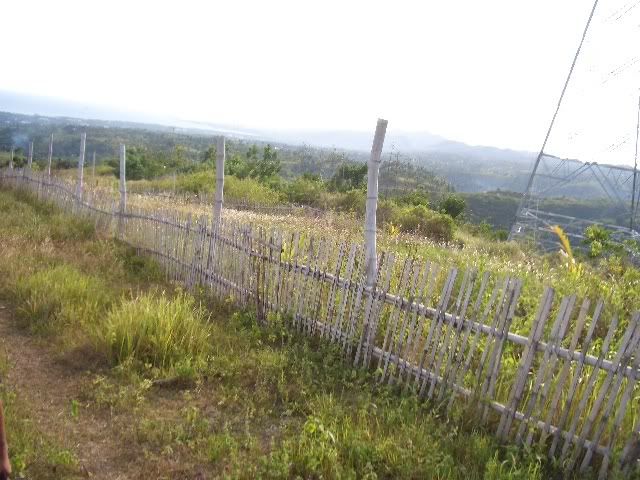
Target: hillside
{"x":225,"y":398}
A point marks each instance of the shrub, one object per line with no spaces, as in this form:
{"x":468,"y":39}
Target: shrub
{"x":351,"y":201}
{"x":166,"y":333}
{"x":60,"y":297}
{"x":453,"y":205}
{"x":305,"y":191}
{"x":204,"y":181}
{"x":501,"y":235}
{"x":414,"y":198}
{"x":349,"y":176}
{"x":388,"y":212}
{"x":421,"y":220}
{"x":105,"y":170}
{"x":251,"y":190}
{"x":598,"y":239}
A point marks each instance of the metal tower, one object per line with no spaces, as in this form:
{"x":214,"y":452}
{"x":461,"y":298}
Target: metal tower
{"x":604,"y":109}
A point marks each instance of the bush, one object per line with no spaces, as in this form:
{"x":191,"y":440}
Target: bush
{"x":158,"y":331}
{"x":388,"y":212}
{"x":421,"y":220}
{"x":204,"y":182}
{"x":486,"y":231}
{"x":414,"y":198}
{"x":60,"y":297}
{"x":105,"y":170}
{"x":598,"y":239}
{"x":351,"y":201}
{"x":306,"y":191}
{"x":349,"y":176}
{"x":501,"y":235}
{"x":250,"y":190}
{"x":453,"y":205}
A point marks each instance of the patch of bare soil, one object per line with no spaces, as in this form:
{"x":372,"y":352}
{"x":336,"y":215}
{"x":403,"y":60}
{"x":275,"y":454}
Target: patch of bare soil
{"x":50,"y":387}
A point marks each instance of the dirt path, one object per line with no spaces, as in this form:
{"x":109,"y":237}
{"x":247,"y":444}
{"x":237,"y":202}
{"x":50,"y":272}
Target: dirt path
{"x":47,"y":388}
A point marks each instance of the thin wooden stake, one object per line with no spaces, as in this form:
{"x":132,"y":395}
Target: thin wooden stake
{"x":220,"y":157}
{"x":30,"y":158}
{"x":80,"y":188}
{"x":50,"y":156}
{"x":123,"y":191}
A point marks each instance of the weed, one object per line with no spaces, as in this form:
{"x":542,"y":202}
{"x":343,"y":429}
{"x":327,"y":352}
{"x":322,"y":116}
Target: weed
{"x":32,"y":452}
{"x":60,"y":297}
{"x":170,"y":334}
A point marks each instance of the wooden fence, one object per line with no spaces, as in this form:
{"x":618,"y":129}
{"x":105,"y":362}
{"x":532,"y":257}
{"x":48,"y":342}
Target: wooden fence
{"x":569,"y":387}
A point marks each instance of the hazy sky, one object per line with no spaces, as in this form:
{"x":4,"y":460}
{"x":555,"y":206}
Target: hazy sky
{"x":484,"y":72}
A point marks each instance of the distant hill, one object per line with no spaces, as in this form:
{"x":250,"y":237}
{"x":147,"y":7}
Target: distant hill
{"x":468,"y":168}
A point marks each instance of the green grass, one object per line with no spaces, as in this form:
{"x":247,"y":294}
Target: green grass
{"x":61,"y":297}
{"x":31,"y":450}
{"x":263,"y":402}
{"x":289,"y":407}
{"x":165,"y":333}
{"x":204,"y":182}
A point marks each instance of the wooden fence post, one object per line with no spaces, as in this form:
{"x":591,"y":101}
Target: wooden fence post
{"x":372,"y":201}
{"x":220,"y":157}
{"x":123,"y":191}
{"x":29,"y":160}
{"x":50,"y":155}
{"x":83,"y":142}
{"x":93,"y":165}
{"x":11,"y":160}
{"x":371,"y":258}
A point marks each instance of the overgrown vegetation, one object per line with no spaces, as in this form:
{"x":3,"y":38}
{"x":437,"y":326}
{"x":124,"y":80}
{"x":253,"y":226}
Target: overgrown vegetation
{"x":259,"y":402}
{"x":345,"y":192}
{"x":155,"y":330}
{"x":31,"y":450}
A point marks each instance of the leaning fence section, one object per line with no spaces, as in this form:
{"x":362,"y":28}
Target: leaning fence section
{"x":569,"y":387}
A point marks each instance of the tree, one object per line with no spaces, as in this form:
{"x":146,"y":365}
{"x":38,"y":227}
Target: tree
{"x":252,"y":153}
{"x":236,"y":166}
{"x":137,"y":165}
{"x":269,"y":166}
{"x":210,"y":156}
{"x":349,"y":176}
{"x":453,"y":205}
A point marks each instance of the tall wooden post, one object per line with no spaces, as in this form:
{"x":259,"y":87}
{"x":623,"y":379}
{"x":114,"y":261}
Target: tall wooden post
{"x":83,"y":142}
{"x":50,"y":155}
{"x":30,"y":157}
{"x":220,"y":157}
{"x":372,"y":202}
{"x":11,"y":160}
{"x":123,"y":191}
{"x":93,"y":165}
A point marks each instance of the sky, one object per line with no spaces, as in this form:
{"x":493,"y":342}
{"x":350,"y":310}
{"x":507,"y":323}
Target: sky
{"x":482,"y":72}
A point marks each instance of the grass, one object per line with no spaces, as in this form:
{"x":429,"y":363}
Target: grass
{"x":614,"y":280}
{"x":61,"y":297}
{"x":235,"y":189}
{"x":622,"y":296}
{"x":31,"y":450}
{"x":165,"y":333}
{"x":283,"y":406}
{"x":262,"y":402}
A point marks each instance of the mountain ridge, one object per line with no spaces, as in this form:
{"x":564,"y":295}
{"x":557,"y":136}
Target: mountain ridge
{"x":349,"y":139}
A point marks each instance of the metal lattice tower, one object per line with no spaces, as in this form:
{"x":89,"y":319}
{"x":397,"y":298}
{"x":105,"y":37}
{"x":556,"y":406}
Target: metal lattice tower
{"x":590,"y":152}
